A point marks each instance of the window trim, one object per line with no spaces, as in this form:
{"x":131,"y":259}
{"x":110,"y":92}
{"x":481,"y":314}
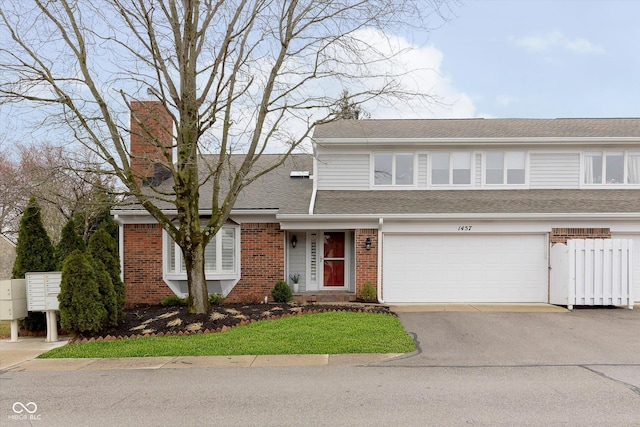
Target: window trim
{"x":450,"y":183}
{"x":394,"y":155}
{"x":210,"y":275}
{"x":505,"y":170}
{"x":603,"y":184}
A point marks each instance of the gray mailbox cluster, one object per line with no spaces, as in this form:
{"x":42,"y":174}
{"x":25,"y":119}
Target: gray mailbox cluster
{"x":13,"y":303}
{"x":43,"y":290}
{"x":13,"y":299}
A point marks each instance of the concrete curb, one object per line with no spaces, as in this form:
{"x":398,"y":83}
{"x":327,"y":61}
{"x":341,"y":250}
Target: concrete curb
{"x":262,"y":361}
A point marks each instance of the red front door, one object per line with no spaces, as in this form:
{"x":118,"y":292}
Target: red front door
{"x":334,"y":259}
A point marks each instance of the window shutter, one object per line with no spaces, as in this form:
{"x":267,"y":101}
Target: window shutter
{"x":228,"y":249}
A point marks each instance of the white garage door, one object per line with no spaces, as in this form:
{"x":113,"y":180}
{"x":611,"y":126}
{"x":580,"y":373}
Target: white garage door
{"x":636,"y":262}
{"x":465,"y":268}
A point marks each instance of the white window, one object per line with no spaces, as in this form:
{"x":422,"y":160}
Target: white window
{"x":611,"y":167}
{"x":393,"y":168}
{"x":451,"y":168}
{"x":220,"y":256}
{"x":505,"y":167}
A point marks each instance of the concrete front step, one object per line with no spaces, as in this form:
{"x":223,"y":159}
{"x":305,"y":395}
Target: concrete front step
{"x":327,"y":296}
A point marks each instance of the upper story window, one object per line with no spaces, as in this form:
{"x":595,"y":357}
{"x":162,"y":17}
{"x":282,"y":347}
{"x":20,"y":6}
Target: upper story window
{"x":393,"y":168}
{"x":611,"y":167}
{"x":220,"y":256}
{"x":451,"y":168}
{"x":505,"y":167}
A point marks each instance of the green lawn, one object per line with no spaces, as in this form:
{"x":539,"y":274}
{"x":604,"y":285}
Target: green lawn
{"x":332,"y":333}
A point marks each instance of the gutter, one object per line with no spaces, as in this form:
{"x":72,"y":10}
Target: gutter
{"x":456,"y":216}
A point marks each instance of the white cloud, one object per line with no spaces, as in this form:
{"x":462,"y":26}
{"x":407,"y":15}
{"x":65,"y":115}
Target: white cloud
{"x":557,"y":40}
{"x":420,"y":71}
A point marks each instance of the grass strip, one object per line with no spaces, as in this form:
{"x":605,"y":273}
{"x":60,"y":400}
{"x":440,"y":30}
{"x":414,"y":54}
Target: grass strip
{"x":322,"y":333}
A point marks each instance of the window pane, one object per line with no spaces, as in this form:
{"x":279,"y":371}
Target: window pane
{"x":461,"y":168}
{"x":593,"y":167}
{"x":494,"y":172}
{"x":615,"y":168}
{"x":383,"y":163}
{"x":515,"y":176}
{"x":515,"y":160}
{"x":495,"y":176}
{"x":515,"y":167}
{"x":633,"y":169}
{"x":404,"y":169}
{"x":440,"y":168}
{"x":228,"y":249}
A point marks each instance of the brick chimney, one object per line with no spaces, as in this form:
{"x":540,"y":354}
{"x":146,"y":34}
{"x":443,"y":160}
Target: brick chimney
{"x":151,"y":128}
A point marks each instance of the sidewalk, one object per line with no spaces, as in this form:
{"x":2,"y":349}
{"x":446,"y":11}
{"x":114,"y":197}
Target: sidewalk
{"x":21,"y":356}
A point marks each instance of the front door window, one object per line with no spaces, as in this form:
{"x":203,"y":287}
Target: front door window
{"x":334,"y":258}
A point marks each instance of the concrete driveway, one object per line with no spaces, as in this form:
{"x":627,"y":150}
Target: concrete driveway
{"x":601,"y":336}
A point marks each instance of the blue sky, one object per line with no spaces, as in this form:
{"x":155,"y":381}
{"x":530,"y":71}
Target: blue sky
{"x":537,"y":59}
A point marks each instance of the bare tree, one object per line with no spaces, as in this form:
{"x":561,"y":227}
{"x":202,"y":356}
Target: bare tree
{"x":65,"y":186}
{"x":236,"y":76}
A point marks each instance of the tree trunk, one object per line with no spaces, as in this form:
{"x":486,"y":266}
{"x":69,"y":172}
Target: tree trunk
{"x":194,"y":263}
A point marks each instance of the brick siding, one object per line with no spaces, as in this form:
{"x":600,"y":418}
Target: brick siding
{"x":561,"y":235}
{"x":263,"y":249}
{"x":366,"y":260}
{"x":143,"y":264}
{"x":145,"y":152}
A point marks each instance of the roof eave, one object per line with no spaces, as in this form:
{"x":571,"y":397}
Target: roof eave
{"x":478,"y":141}
{"x":457,"y":216}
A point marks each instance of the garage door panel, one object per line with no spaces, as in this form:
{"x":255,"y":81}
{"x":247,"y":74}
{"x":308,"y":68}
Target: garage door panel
{"x":464,"y":268}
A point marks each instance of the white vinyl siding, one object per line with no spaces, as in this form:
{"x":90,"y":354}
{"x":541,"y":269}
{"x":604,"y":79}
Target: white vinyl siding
{"x":297,"y":260}
{"x":554,"y":170}
{"x":343,"y":171}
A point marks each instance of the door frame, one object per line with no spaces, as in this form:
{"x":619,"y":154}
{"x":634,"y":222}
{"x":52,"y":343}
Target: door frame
{"x":319,"y":261}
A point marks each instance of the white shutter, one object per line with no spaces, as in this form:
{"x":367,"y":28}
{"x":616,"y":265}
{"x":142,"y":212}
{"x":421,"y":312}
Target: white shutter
{"x":210,"y":255}
{"x":228,"y":249}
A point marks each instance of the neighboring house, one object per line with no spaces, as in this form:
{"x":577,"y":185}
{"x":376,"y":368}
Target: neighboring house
{"x":7,"y":257}
{"x":425,"y":210}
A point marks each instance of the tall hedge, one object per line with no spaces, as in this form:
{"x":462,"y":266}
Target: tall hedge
{"x":34,"y":252}
{"x":104,"y":248}
{"x":81,"y":306}
{"x":70,"y":240}
{"x":108,"y":295}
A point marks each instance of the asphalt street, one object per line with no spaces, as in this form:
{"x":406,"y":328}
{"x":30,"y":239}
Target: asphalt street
{"x":492,"y":369}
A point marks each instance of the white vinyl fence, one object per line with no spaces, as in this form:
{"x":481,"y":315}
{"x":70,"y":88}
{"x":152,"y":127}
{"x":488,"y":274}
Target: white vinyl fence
{"x":592,"y":272}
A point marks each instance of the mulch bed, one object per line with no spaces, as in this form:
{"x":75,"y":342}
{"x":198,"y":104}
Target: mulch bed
{"x":158,"y":320}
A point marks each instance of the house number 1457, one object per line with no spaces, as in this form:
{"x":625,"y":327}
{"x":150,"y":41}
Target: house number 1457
{"x":464,"y":228}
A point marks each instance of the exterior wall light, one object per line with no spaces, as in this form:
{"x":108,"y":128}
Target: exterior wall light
{"x":294,"y":240}
{"x":367,"y":243}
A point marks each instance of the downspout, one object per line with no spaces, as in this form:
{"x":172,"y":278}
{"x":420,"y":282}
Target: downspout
{"x":121,"y":248}
{"x":312,"y":202}
{"x":380,"y":223}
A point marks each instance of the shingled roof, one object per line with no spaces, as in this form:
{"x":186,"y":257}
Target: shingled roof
{"x":477,"y":202}
{"x":480,"y":128}
{"x":275,"y":190}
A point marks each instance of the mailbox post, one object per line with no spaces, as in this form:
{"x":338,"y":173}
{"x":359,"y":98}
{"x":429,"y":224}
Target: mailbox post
{"x":13,"y":303}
